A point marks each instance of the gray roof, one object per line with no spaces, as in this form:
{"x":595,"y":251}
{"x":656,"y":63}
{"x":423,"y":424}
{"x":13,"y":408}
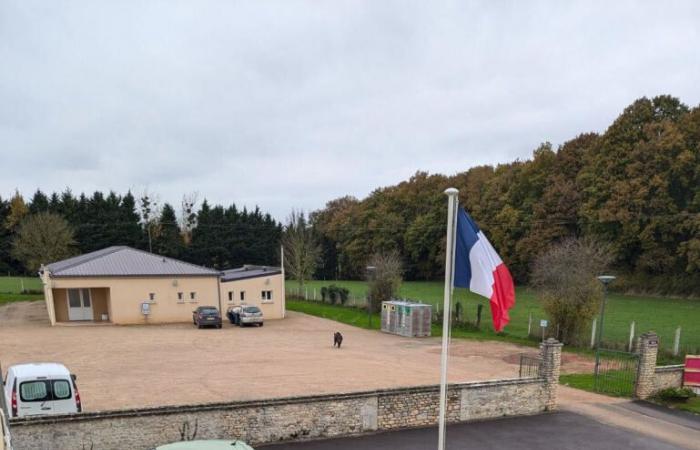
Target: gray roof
{"x":125,"y":261}
{"x":249,"y":272}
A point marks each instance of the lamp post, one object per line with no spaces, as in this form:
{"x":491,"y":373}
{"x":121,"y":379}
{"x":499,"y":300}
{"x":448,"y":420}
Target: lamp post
{"x":606,"y":280}
{"x":371,"y":270}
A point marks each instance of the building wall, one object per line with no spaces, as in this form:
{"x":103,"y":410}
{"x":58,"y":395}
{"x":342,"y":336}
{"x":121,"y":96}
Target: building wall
{"x":253,"y":288}
{"x":297,"y":418}
{"x":98,"y":296}
{"x":668,"y":377}
{"x":122,"y":297}
{"x":60,"y":304}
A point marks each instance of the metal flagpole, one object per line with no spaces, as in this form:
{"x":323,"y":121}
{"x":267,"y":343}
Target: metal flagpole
{"x":452,"y":201}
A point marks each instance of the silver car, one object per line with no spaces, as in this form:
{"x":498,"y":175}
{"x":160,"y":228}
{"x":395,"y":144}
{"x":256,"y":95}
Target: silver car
{"x":250,"y":315}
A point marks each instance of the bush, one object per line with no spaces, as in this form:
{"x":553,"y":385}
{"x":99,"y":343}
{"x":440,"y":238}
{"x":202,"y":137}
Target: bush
{"x":676,"y":394}
{"x":343,"y":294}
{"x":335,"y":294}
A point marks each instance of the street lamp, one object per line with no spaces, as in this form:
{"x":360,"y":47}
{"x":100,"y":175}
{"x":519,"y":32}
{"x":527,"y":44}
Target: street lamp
{"x":606,"y":280}
{"x":371,"y":270}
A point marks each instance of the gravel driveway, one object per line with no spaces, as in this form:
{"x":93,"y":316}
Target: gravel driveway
{"x":134,"y":366}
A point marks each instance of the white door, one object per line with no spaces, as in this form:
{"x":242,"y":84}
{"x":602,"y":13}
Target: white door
{"x":79,"y":304}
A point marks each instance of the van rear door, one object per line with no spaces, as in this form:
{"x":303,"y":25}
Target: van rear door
{"x":63,"y":400}
{"x":34,"y":397}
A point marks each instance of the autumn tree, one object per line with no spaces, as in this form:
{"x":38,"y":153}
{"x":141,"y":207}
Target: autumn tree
{"x":564,"y":277}
{"x":384,"y":276}
{"x":42,"y":238}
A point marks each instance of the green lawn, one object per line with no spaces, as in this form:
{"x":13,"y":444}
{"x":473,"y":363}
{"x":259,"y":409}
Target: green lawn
{"x":359,"y":318}
{"x":662,"y":315}
{"x":623,"y":386}
{"x":11,"y":289}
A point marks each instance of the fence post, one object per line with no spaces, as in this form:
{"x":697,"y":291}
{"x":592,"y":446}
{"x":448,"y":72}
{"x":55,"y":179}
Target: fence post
{"x":550,"y":351}
{"x":593,"y":325}
{"x":529,"y":324}
{"x":646,"y":370}
{"x":629,"y":347}
{"x":314,"y":294}
{"x":677,"y":341}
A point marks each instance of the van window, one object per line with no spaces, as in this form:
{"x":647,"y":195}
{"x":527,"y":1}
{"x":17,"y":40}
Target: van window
{"x":61,"y":390}
{"x":34,"y":391}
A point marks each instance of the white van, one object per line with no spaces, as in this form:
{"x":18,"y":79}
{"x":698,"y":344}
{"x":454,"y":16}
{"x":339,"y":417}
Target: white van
{"x":41,"y":389}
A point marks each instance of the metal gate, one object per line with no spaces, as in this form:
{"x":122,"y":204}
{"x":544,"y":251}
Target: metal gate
{"x":615,"y":372}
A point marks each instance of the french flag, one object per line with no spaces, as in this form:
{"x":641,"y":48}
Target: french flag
{"x":479,"y":268}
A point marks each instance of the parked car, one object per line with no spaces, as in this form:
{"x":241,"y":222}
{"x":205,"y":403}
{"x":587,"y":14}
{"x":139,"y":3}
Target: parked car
{"x":206,"y":316}
{"x":41,"y":389}
{"x":207,"y":445}
{"x":250,"y":315}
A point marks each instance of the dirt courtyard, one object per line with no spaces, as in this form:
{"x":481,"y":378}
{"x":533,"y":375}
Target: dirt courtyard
{"x":135,"y":366}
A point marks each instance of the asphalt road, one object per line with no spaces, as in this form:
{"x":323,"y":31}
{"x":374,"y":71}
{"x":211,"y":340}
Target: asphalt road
{"x":561,"y":431}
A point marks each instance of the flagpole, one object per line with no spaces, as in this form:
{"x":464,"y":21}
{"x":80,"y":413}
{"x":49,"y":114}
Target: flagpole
{"x":452,"y":201}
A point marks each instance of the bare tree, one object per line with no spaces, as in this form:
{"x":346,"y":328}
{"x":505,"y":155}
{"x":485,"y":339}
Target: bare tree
{"x":188,"y":215}
{"x":565,"y":279}
{"x":42,"y":238}
{"x":385,"y":273}
{"x":301,"y":250}
{"x":149,"y":208}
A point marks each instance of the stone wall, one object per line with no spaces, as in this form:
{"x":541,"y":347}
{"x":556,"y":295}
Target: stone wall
{"x":668,"y":376}
{"x":295,"y":418}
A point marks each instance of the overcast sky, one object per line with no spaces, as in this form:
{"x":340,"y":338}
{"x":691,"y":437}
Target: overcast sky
{"x":291,"y":104}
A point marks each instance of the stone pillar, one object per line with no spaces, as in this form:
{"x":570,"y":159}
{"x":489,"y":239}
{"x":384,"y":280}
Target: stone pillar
{"x":646,"y":370}
{"x":550,"y":351}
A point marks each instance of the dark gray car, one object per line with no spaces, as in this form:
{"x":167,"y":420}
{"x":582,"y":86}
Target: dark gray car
{"x":206,"y":316}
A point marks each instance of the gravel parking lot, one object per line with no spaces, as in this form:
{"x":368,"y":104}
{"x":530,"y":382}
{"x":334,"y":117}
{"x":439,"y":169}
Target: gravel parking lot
{"x":134,"y":366}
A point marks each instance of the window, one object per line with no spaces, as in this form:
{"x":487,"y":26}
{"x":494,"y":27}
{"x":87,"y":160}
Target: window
{"x":242,"y":296}
{"x":152,"y":296}
{"x":266,"y":295}
{"x":74,"y":298}
{"x":193,"y":296}
{"x":61,"y":390}
{"x":34,"y":391}
{"x":180,"y":297}
{"x":230,"y":296}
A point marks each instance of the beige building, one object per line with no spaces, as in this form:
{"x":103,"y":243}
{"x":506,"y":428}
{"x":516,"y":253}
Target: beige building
{"x":122,"y":285}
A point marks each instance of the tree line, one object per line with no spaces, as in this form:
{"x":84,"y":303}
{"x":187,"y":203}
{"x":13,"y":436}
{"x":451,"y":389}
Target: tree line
{"x":635,"y":187}
{"x":213,"y":236}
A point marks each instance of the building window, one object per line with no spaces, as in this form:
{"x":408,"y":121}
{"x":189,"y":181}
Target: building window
{"x":266,"y":295}
{"x":180,"y":297}
{"x":242,"y":296}
{"x":193,"y":296}
{"x":230,"y":296}
{"x":152,"y":296}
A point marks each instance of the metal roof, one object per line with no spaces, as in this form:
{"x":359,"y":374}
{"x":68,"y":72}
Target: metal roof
{"x":122,"y":261}
{"x":249,"y":272}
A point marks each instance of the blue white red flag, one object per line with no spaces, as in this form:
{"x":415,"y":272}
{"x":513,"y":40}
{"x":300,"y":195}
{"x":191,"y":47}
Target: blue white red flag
{"x":479,"y":268}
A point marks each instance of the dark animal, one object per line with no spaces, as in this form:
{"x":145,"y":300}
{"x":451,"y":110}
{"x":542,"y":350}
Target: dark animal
{"x":337,"y":339}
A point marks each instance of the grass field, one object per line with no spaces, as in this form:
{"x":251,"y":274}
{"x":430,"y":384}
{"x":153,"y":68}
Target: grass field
{"x":11,"y":289}
{"x":662,"y":315}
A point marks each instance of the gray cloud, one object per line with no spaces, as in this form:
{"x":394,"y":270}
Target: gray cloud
{"x":290,"y":104}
